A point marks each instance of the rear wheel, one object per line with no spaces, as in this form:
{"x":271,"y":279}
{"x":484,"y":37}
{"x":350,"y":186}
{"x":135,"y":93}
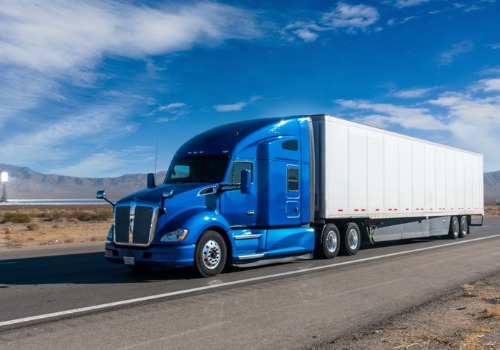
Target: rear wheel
{"x":351,"y":239}
{"x":211,"y":254}
{"x":464,"y":227}
{"x":329,"y":245}
{"x":454,"y":228}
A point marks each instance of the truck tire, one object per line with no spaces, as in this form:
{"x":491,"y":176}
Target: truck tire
{"x":329,"y":245}
{"x":211,"y":254}
{"x":464,"y":227}
{"x":351,"y":239}
{"x":454,"y":228}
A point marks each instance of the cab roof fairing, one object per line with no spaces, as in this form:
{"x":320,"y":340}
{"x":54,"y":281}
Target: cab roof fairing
{"x":222,"y":140}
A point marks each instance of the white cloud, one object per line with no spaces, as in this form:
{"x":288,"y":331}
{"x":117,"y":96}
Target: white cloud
{"x":448,"y":57}
{"x":488,"y":85}
{"x":64,"y":35}
{"x":351,"y":18}
{"x":21,"y":91}
{"x":175,"y":111}
{"x":491,"y":71}
{"x":469,"y":120}
{"x":44,"y":45}
{"x":172,"y":106}
{"x":408,"y":3}
{"x":412,"y":93}
{"x":53,"y":140}
{"x":388,"y":114}
{"x":475,"y":124}
{"x":233,"y":107}
{"x":50,"y":49}
{"x":237,"y":106}
{"x":110,"y":163}
{"x":306,"y":34}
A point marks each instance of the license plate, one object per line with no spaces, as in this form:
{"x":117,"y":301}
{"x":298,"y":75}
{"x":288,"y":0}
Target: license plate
{"x":128,"y":260}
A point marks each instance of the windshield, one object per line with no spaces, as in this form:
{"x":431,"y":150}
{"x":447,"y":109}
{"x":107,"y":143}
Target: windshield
{"x":197,"y":169}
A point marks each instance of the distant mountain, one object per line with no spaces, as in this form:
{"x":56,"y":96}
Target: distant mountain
{"x":28,"y":184}
{"x":25,"y":183}
{"x":491,"y":187}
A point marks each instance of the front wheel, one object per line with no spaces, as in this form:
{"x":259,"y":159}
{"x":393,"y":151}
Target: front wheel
{"x":211,"y":254}
{"x":351,"y":239}
{"x":329,"y":245}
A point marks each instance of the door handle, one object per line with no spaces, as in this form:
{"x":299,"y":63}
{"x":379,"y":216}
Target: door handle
{"x":250,"y":212}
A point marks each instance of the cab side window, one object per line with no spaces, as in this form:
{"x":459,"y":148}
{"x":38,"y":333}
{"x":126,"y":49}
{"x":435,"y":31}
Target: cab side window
{"x":235,"y":176}
{"x":293,"y":179}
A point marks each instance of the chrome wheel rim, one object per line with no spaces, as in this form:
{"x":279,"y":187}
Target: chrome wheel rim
{"x":211,"y":254}
{"x":352,"y":239}
{"x":456,"y":227}
{"x":464,"y":226}
{"x":331,"y":241}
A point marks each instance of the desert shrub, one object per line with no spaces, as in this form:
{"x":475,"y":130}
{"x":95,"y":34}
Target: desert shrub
{"x":16,"y":218}
{"x":104,"y":215}
{"x":97,"y":215}
{"x":83,"y":216}
{"x":57,"y":215}
{"x":33,"y":227}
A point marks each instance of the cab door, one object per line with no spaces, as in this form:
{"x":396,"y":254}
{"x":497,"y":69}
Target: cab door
{"x":239,"y":209}
{"x":279,"y":187}
{"x":292,"y":206}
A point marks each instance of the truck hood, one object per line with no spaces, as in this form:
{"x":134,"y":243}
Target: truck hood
{"x":181,"y":191}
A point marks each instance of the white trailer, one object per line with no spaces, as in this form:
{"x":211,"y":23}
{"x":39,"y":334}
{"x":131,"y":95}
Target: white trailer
{"x":390,"y":185}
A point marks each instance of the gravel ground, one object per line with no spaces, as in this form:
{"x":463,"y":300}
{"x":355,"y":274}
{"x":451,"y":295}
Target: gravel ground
{"x":467,"y":318}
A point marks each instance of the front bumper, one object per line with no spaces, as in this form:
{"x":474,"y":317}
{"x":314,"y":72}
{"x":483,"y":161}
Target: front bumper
{"x":154,"y":256}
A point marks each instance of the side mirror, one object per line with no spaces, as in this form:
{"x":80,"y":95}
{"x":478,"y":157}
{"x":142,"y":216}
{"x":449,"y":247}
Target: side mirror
{"x":166,"y":194}
{"x":151,"y":181}
{"x":102,"y":195}
{"x":246,"y":181}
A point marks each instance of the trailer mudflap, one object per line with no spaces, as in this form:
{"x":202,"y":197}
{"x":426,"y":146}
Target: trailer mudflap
{"x":476,"y":220}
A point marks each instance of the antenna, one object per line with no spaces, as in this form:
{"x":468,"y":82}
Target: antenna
{"x":236,"y":140}
{"x":156,"y":156}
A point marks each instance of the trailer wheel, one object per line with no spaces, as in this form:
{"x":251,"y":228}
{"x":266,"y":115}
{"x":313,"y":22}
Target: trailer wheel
{"x":351,"y":239}
{"x":454,"y":228}
{"x":329,"y":246}
{"x":464,"y":227}
{"x":211,"y":253}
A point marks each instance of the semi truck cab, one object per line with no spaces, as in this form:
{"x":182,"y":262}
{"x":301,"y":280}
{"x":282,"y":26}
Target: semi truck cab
{"x":234,"y":194}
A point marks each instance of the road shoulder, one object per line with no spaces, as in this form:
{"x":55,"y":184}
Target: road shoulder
{"x":465,"y":318}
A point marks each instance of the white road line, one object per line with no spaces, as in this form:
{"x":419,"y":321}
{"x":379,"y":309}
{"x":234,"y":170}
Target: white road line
{"x":213,"y":286}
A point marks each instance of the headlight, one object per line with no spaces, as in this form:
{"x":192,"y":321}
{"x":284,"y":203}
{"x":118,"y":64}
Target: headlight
{"x":174,"y":236}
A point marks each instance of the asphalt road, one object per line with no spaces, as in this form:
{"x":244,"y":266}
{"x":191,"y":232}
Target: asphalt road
{"x":71,"y":298}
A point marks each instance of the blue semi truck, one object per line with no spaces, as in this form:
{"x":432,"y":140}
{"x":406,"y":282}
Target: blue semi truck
{"x":269,"y":188}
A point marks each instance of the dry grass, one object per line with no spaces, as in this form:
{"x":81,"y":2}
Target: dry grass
{"x":46,"y":225}
{"x":491,"y":210}
{"x":467,"y":319}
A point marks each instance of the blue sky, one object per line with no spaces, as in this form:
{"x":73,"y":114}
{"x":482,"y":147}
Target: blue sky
{"x":88,"y":88}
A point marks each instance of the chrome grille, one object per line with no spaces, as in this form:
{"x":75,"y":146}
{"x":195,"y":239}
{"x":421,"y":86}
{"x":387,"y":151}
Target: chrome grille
{"x":135,"y":224}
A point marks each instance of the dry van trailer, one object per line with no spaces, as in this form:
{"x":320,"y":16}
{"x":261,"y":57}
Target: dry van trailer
{"x":390,"y":186}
